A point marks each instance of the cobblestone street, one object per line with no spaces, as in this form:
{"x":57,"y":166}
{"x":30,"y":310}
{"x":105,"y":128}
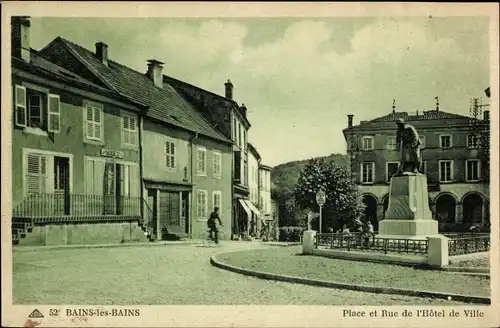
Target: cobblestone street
{"x":165,"y":274}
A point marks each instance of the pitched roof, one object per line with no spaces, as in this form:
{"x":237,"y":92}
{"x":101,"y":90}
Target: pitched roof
{"x":42,"y":66}
{"x":253,"y":150}
{"x":425,"y":115}
{"x":209,"y":95}
{"x":164,"y":104}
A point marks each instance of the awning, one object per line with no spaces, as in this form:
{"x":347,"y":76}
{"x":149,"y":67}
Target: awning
{"x":253,"y":208}
{"x":245,"y":206}
{"x":167,"y":186}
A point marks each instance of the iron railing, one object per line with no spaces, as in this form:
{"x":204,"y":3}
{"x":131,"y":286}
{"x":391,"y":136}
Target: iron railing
{"x":50,"y":205}
{"x":470,"y":244}
{"x":364,"y":242}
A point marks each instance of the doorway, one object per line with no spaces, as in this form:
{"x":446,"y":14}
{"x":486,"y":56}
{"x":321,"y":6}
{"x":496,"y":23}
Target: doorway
{"x":61,"y":184}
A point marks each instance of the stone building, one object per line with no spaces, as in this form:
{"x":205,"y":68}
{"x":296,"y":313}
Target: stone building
{"x":453,"y":158}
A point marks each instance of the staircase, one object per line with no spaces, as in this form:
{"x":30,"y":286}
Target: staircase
{"x":146,"y":220}
{"x":20,"y":228}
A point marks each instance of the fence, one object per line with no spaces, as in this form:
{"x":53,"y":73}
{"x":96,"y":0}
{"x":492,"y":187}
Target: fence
{"x":469,"y":243}
{"x":46,"y":205}
{"x":363,"y":242}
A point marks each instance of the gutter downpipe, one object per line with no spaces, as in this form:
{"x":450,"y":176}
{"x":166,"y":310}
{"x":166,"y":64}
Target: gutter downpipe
{"x":141,"y":166}
{"x":192,"y":182}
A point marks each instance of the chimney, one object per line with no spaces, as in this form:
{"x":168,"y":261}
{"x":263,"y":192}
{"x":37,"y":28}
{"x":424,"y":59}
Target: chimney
{"x":487,"y":92}
{"x":437,"y":104}
{"x":349,"y":120}
{"x":21,"y":37}
{"x":393,"y":106}
{"x":101,"y":52}
{"x":229,"y":89}
{"x":244,"y":110}
{"x":486,"y":115}
{"x":155,"y":72}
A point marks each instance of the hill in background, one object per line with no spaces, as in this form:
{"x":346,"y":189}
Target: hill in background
{"x":284,"y":176}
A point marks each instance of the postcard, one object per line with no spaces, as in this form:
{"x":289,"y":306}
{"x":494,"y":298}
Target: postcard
{"x":244,"y":164}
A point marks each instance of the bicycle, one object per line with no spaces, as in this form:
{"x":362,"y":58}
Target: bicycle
{"x":207,"y":241}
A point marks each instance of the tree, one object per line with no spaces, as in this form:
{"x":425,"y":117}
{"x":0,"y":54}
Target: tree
{"x":343,"y":201}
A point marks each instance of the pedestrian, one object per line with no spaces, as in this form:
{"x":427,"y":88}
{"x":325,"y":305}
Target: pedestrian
{"x":370,"y":232}
{"x":213,"y":223}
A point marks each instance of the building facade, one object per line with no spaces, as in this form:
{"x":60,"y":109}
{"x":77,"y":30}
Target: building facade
{"x":452,"y":160}
{"x":72,"y":159}
{"x":192,"y":175}
{"x":230,"y":120}
{"x":253,"y":188}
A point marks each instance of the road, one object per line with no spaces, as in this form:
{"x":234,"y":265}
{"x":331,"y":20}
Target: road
{"x":165,"y":274}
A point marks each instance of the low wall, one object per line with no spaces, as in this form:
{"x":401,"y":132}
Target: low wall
{"x":374,"y":257}
{"x":83,"y":233}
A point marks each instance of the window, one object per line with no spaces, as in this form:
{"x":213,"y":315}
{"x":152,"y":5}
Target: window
{"x":423,"y":167}
{"x":473,"y":170}
{"x":94,"y":176}
{"x":201,"y":160}
{"x":170,"y":162}
{"x":422,"y":141}
{"x":245,"y":173}
{"x":391,"y":143}
{"x":101,"y":178}
{"x":367,"y":172}
{"x":129,"y":130}
{"x":237,"y":166}
{"x":445,"y":141}
{"x":445,"y":171}
{"x":367,"y":143}
{"x":243,"y":143}
{"x":93,"y":122}
{"x":36,"y":175}
{"x":239,"y":135}
{"x":217,"y":164}
{"x":201,"y":204}
{"x":217,"y":199}
{"x":61,"y":174}
{"x":235,"y":134}
{"x":472,"y":141}
{"x":37,"y":109}
{"x":390,"y":169}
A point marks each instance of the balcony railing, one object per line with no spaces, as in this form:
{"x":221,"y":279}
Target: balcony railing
{"x":50,"y":205}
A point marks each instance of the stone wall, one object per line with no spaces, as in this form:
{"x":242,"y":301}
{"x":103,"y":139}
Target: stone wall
{"x":84,"y":234}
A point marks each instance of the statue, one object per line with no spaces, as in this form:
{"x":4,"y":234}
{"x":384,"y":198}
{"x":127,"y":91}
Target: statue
{"x":408,"y":144}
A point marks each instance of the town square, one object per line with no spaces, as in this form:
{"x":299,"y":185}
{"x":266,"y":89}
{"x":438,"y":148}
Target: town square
{"x":339,"y":161}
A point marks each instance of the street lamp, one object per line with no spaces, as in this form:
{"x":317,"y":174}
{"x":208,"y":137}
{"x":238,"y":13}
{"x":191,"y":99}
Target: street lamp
{"x":320,"y":200}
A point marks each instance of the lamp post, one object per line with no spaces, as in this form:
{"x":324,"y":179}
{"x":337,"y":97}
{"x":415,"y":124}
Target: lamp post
{"x":320,"y":200}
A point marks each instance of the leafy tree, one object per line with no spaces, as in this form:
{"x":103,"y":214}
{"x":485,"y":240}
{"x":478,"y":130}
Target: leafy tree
{"x":343,"y":201}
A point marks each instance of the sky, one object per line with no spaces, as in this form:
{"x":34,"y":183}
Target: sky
{"x":299,"y":77}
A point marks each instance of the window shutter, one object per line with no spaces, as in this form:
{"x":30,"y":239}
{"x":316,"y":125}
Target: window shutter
{"x":36,"y":173}
{"x":90,"y":122}
{"x":98,"y":123}
{"x":133,"y":130}
{"x":89,"y":175}
{"x":20,"y":94}
{"x":99,"y":178}
{"x":54,"y":113}
{"x":134,"y":180}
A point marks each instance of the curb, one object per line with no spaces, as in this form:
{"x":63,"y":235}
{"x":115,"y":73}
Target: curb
{"x":362,"y":288}
{"x":471,"y":270}
{"x":69,"y":247}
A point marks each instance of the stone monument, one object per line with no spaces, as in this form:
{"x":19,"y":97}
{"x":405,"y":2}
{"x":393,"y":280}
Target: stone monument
{"x":408,"y":215}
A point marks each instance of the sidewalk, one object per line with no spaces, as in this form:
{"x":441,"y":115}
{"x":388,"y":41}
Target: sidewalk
{"x":132,"y":244}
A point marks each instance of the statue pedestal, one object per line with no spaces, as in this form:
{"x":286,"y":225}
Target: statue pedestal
{"x":408,"y":215}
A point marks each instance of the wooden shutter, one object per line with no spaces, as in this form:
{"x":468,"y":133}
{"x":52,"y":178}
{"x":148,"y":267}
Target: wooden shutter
{"x":89,"y":175}
{"x":134,"y":181}
{"x":54,"y":113}
{"x":36,"y":176}
{"x":20,"y":103}
{"x":89,"y":122}
{"x":97,"y":123}
{"x":133,"y":130}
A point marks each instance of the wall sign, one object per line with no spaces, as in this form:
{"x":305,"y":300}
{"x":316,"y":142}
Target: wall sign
{"x":111,"y":153}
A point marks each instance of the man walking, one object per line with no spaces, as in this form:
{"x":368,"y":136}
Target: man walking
{"x":213,"y":225}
